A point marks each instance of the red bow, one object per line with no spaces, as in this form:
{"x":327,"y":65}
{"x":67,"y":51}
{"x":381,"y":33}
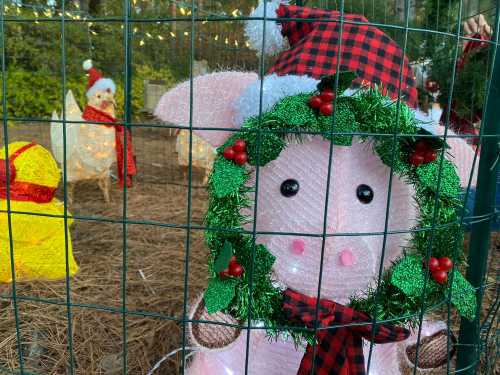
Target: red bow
{"x":470,"y":47}
{"x":339,"y":349}
{"x":93,"y":114}
{"x":28,"y":192}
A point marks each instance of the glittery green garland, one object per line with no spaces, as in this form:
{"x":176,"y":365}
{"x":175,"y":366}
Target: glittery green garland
{"x":400,"y":289}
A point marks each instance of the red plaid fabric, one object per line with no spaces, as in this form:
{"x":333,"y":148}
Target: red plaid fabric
{"x":366,"y":50}
{"x":340,"y":349}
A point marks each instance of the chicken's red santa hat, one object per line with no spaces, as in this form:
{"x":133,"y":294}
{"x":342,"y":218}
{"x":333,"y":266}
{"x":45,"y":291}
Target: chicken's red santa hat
{"x":313,"y":47}
{"x":96,"y":81}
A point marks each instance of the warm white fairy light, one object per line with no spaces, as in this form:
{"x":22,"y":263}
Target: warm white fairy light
{"x":160,"y":37}
{"x":236,"y":43}
{"x":186,"y":33}
{"x":216,"y":37}
{"x":172,"y":34}
{"x":226,"y":41}
{"x":149,"y":35}
{"x":183,"y":11}
{"x":141,"y":43}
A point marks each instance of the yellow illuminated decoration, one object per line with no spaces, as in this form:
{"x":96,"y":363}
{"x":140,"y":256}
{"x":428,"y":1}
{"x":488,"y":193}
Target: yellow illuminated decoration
{"x":90,"y":149}
{"x":203,"y":153}
{"x":38,"y":238}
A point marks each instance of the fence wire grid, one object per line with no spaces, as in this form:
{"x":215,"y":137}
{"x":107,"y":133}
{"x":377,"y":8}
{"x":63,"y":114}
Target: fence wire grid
{"x":195,"y":29}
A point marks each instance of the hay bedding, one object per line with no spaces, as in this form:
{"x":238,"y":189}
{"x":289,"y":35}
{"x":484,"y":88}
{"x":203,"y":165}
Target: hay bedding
{"x":155,"y":275}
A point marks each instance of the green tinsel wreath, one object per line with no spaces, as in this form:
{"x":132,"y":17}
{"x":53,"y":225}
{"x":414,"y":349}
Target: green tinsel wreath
{"x":401,"y":287}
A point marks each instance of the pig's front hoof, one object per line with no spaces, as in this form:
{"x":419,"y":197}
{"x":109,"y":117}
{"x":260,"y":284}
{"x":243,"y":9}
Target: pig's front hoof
{"x":213,"y":332}
{"x":432,"y":352}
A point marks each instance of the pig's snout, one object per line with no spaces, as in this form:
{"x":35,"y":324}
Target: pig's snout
{"x":347,"y":258}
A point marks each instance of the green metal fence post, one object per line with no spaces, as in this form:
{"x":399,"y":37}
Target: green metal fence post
{"x":468,"y":352}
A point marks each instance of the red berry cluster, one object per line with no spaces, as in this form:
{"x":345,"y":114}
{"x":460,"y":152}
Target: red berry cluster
{"x":234,"y":269}
{"x":431,"y":86}
{"x":422,"y":154}
{"x":323,"y":102}
{"x":439,"y":268}
{"x":237,"y":152}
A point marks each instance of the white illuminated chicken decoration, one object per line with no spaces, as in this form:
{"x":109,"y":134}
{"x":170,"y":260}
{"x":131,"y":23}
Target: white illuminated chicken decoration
{"x":93,"y":140}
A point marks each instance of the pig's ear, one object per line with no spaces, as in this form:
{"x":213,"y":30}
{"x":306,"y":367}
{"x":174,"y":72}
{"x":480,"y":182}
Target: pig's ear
{"x":462,"y":155}
{"x":213,"y":98}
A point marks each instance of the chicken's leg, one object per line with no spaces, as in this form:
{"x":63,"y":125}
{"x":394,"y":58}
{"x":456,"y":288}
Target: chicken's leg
{"x":70,"y":188}
{"x":104,"y":184}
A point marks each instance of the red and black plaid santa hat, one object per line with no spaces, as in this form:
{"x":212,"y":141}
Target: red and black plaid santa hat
{"x":313,"y":36}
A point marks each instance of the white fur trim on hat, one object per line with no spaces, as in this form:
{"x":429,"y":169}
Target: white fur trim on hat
{"x":101,"y":85}
{"x":254,"y":29}
{"x":274,"y":89}
{"x":87,"y":64}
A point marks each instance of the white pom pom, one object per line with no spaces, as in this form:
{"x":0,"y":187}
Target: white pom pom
{"x":274,"y":89}
{"x":87,"y":64}
{"x":274,"y":42}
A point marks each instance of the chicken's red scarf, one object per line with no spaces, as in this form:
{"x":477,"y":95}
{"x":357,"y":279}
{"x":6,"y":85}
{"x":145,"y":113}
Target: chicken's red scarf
{"x":93,"y":114}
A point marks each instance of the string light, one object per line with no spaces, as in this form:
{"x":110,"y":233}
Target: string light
{"x":236,"y":43}
{"x":149,"y":35}
{"x":186,"y":33}
{"x":183,"y":11}
{"x":172,"y":34}
{"x":141,"y":43}
{"x":216,"y":38}
{"x":160,"y":37}
{"x":226,"y":41}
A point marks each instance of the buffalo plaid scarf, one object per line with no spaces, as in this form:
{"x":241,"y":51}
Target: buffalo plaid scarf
{"x":339,"y":349}
{"x":366,"y":50}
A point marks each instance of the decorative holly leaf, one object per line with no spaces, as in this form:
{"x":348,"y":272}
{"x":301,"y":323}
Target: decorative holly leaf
{"x":449,"y":184}
{"x":463,"y":296}
{"x":408,"y":275}
{"x":227,"y":178}
{"x":219,"y":294}
{"x":345,"y":81}
{"x":222,"y":261}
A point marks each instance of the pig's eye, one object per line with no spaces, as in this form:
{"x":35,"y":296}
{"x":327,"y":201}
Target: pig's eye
{"x":289,"y":188}
{"x":364,"y":194}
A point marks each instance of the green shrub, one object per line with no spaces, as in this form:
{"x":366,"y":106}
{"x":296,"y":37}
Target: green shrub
{"x":34,"y":95}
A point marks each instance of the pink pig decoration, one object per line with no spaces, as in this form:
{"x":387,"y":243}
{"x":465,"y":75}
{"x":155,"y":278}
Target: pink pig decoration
{"x":351,"y":263}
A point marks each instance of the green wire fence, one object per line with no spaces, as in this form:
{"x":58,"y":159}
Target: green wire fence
{"x":202,"y":30}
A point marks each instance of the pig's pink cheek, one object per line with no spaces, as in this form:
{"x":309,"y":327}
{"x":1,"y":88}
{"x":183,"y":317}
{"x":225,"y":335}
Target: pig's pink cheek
{"x":297,"y":247}
{"x":347,"y":258}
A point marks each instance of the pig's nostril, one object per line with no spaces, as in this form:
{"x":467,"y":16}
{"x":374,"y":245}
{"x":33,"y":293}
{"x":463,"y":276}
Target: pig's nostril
{"x":347,"y":258}
{"x":297,"y":247}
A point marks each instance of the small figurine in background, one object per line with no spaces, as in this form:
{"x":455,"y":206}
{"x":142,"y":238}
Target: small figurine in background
{"x":202,"y":153}
{"x":38,"y":235}
{"x":93,"y":140}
